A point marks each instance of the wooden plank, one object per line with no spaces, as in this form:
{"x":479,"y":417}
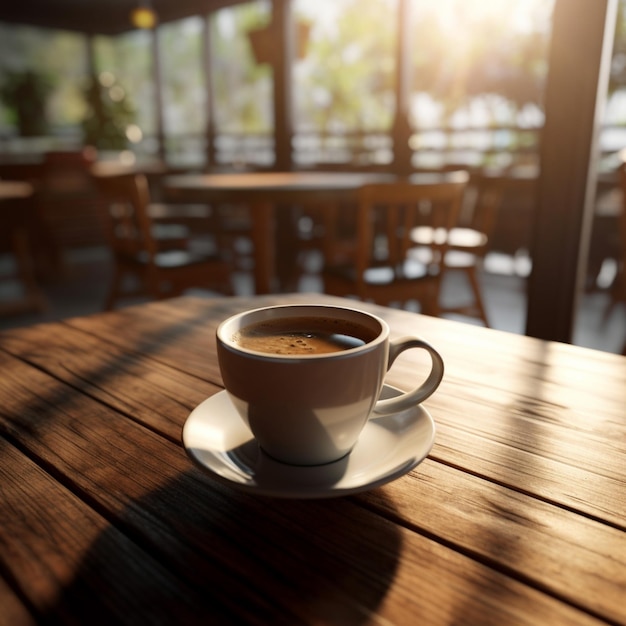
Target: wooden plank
{"x":524,"y":537}
{"x":531,"y":416}
{"x":73,"y":566}
{"x":147,"y":391}
{"x":181,"y":338}
{"x":317,"y":562}
{"x":282,"y":27}
{"x":449,"y":478}
{"x":14,"y":613}
{"x":140,"y":482}
{"x":501,"y":429}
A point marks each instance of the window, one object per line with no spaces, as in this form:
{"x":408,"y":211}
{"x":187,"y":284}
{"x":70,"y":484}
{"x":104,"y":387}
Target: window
{"x":125,"y":63}
{"x":184,"y":91}
{"x":344,"y":84}
{"x":478,"y":70}
{"x":50,"y":64}
{"x":242,"y":88}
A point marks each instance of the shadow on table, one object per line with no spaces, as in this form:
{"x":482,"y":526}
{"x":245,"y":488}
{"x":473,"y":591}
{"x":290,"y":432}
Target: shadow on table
{"x":195,"y":552}
{"x":190,"y":551}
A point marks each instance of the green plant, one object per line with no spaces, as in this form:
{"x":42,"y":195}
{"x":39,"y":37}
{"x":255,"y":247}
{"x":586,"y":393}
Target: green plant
{"x":109,"y":112}
{"x":25,"y":94}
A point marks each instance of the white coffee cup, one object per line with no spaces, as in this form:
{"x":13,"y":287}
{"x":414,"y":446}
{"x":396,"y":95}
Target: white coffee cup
{"x":309,"y":409}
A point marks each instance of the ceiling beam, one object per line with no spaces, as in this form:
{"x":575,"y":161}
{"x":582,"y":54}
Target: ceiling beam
{"x":99,"y":17}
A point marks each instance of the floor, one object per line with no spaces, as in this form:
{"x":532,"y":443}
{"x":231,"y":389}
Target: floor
{"x":80,"y":290}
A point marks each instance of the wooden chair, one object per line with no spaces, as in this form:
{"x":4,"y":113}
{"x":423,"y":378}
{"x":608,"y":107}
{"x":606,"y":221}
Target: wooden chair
{"x":159,"y":273}
{"x":380,"y":269}
{"x":18,"y":221}
{"x":467,"y":243}
{"x":67,"y":210}
{"x":173,"y":224}
{"x":229,"y":224}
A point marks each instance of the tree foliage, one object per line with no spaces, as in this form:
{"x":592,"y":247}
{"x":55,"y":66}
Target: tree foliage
{"x":25,"y":93}
{"x":347,"y":81}
{"x":242,"y":93}
{"x":109,"y":113}
{"x":476,"y":49}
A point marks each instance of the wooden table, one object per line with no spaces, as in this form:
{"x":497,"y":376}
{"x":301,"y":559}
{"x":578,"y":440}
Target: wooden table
{"x":15,"y":189}
{"x":117,"y":167}
{"x":263,"y":192}
{"x":517,"y":516}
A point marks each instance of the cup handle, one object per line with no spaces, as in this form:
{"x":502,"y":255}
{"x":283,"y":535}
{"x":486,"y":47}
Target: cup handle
{"x":427,"y":388}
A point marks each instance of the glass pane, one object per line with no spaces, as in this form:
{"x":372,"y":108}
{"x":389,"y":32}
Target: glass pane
{"x":242,"y":88}
{"x":124,"y":66}
{"x":344,"y":82}
{"x":478,"y":71}
{"x":41,"y":77}
{"x":184,"y":90}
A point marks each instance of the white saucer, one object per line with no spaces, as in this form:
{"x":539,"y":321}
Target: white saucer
{"x":217,"y":439}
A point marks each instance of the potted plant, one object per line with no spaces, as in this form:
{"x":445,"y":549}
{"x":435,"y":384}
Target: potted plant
{"x":109,"y":112}
{"x":25,"y":94}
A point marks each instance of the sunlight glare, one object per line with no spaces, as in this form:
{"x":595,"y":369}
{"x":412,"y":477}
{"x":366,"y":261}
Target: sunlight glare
{"x":458,"y":16}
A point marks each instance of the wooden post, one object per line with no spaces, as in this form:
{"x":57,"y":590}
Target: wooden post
{"x":92,"y":69}
{"x":579,"y":60}
{"x":208,"y":83}
{"x":401,"y":128}
{"x":158,"y":92}
{"x":283,"y":59}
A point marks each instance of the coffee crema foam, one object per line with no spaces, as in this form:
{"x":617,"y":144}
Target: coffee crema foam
{"x":303,"y":335}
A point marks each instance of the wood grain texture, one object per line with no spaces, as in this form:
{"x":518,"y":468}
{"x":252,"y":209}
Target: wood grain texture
{"x":577,"y":559}
{"x":517,"y":516}
{"x":73,"y":566}
{"x":318,"y":561}
{"x":13,"y":609}
{"x":532,"y":409}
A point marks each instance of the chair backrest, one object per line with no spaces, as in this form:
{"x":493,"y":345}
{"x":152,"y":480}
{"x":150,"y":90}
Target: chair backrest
{"x":67,"y":172}
{"x":67,"y":199}
{"x":488,"y":191}
{"x":127,"y":219}
{"x":387,"y":212}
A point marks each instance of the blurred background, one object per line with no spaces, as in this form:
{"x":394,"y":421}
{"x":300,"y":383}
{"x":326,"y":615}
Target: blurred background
{"x":305,"y":84}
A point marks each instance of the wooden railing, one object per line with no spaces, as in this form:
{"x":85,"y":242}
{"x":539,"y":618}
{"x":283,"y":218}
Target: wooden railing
{"x":472,"y":147}
{"x":434,"y":147}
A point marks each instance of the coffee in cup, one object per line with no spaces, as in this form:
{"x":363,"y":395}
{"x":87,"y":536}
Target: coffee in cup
{"x":306,"y":378}
{"x":303,"y":335}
